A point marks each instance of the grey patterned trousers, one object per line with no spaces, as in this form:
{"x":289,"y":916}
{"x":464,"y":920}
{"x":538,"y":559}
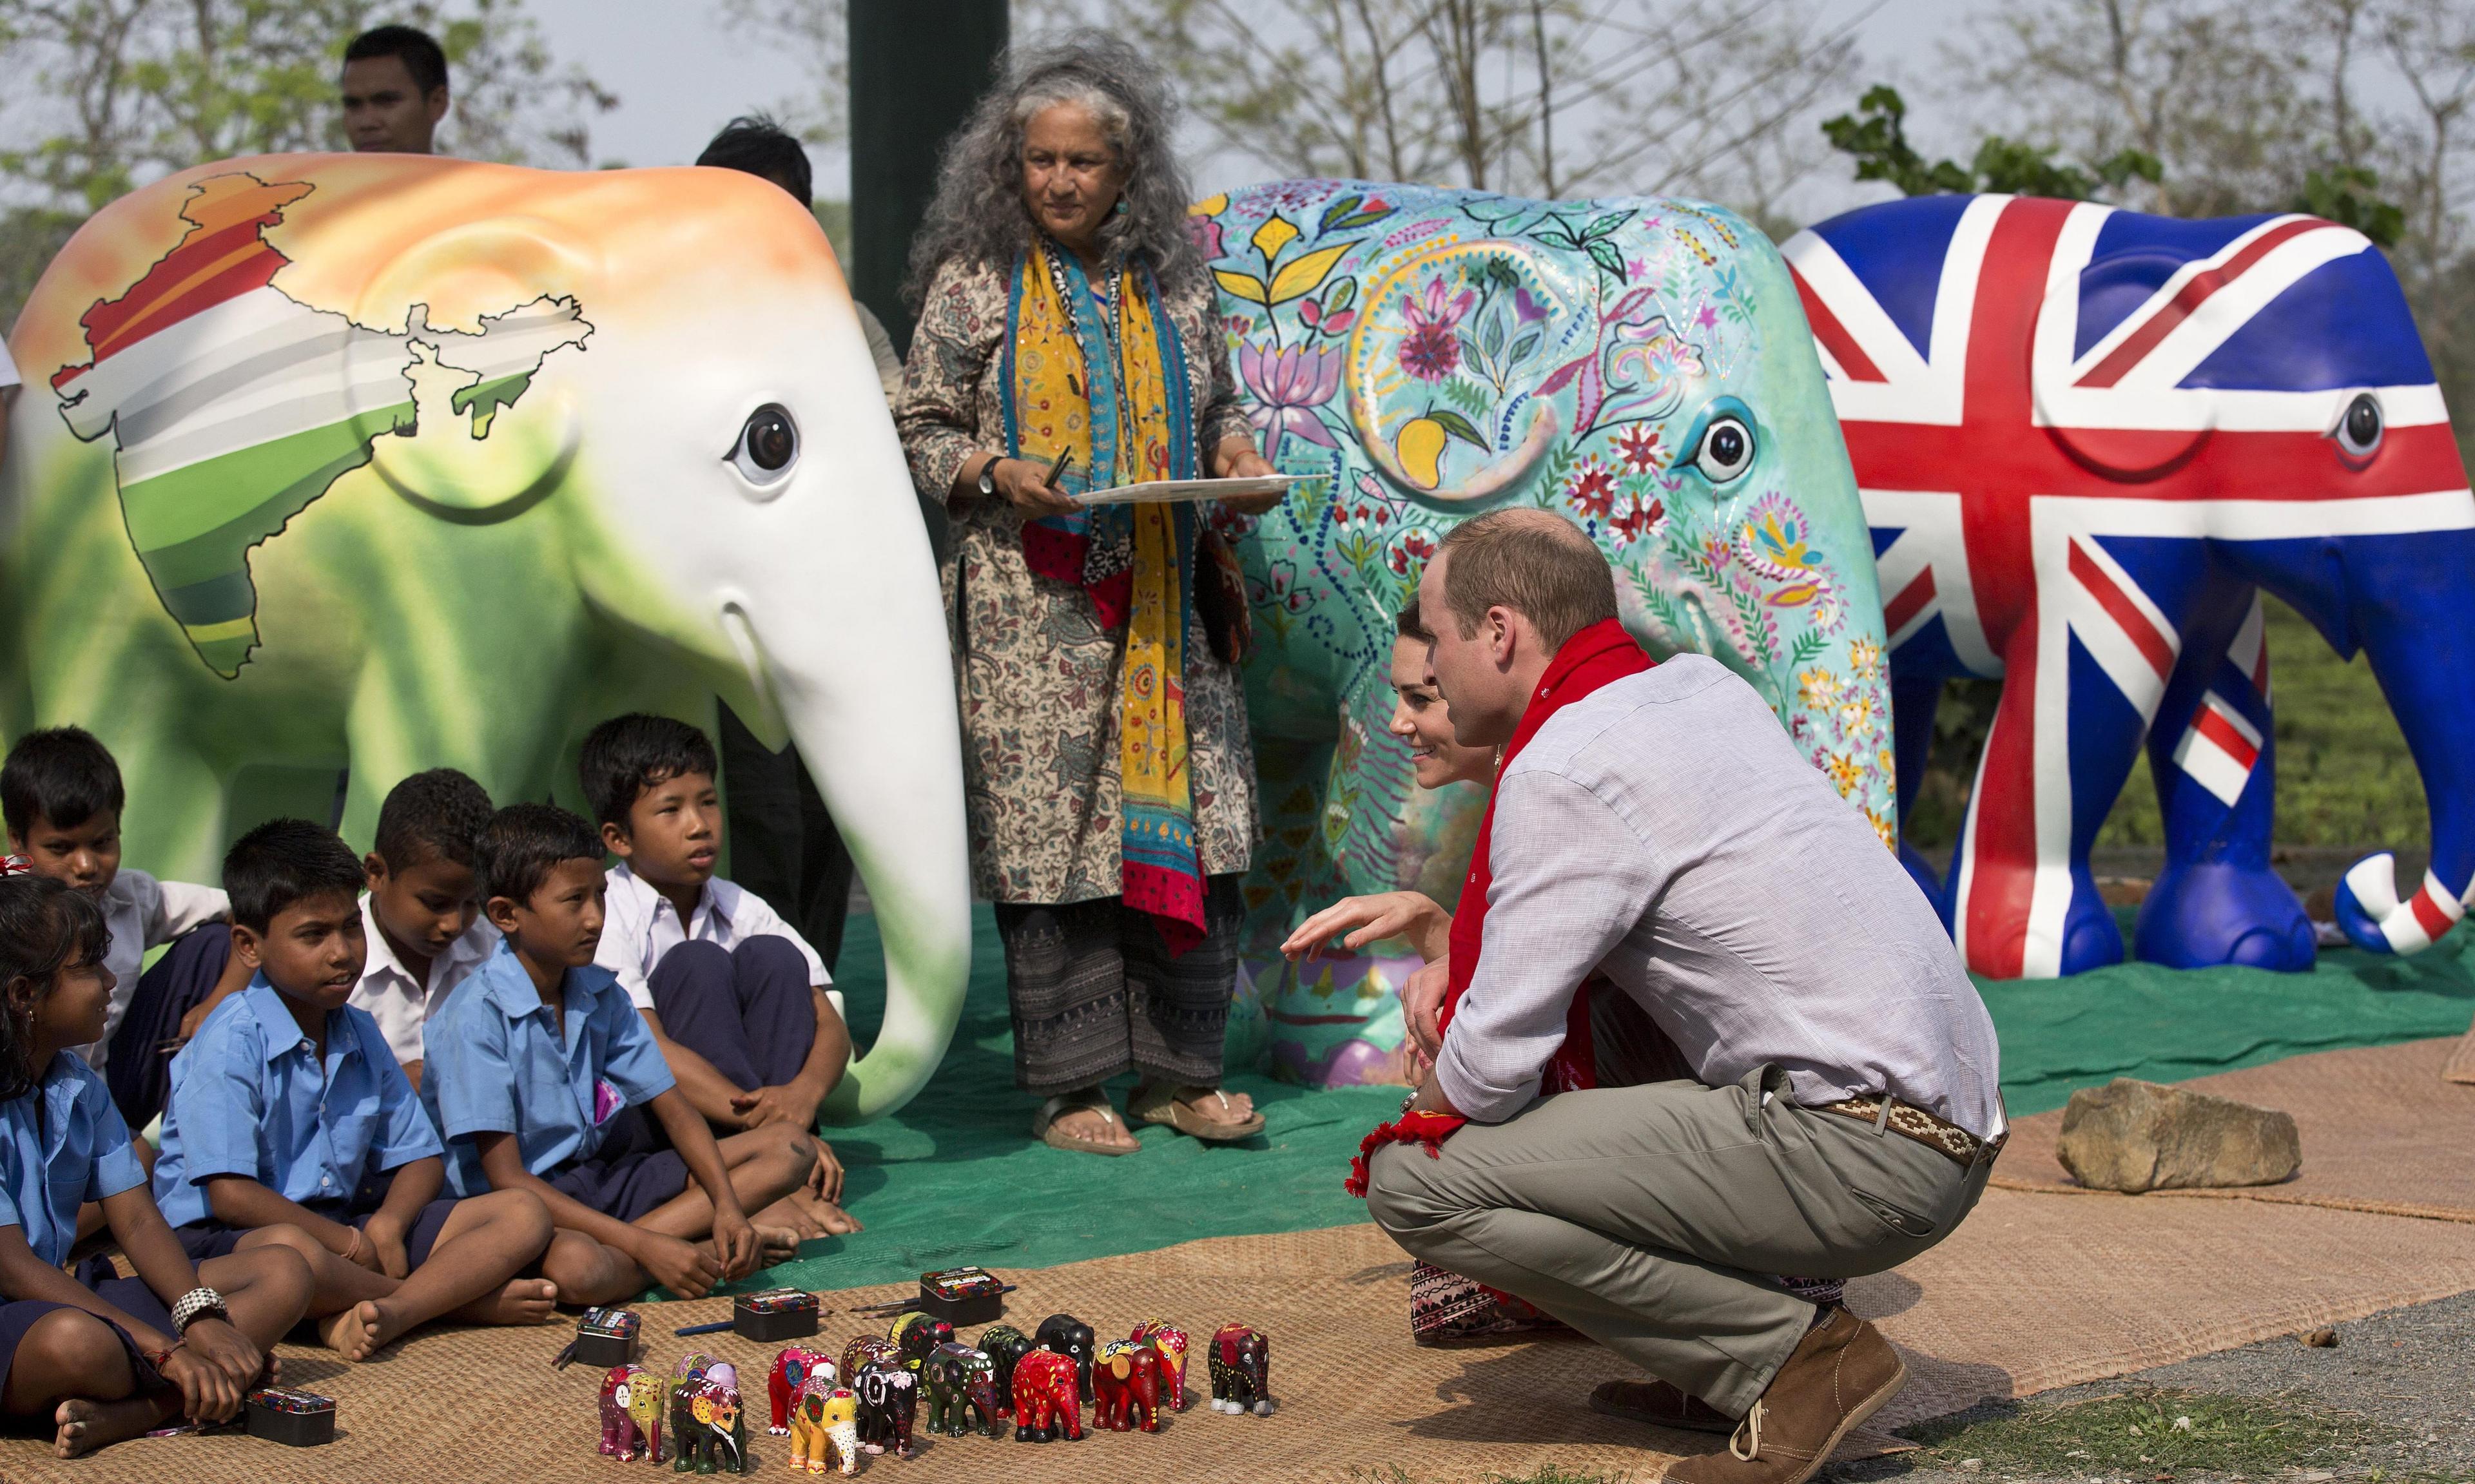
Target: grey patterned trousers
{"x":1095,"y":992}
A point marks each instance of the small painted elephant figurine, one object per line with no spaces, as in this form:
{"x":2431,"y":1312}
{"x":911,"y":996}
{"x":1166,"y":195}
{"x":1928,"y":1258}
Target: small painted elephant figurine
{"x":825,"y":1425}
{"x":860,"y":1354}
{"x":792,"y":1368}
{"x":1171,"y":1341}
{"x":1241,"y":1371}
{"x":961,"y":1383}
{"x":1005,"y":1345}
{"x":631,"y":1415}
{"x":712,"y":1435}
{"x":1072,"y":1338}
{"x":1046,"y":1400}
{"x":888,"y":1404}
{"x":1127,"y":1376}
{"x":916,"y":1334}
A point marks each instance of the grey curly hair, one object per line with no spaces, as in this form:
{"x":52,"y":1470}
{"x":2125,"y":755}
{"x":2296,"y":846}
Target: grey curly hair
{"x":978,"y":216}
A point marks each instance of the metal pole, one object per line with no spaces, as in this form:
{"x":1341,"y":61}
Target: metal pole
{"x":917,"y":68}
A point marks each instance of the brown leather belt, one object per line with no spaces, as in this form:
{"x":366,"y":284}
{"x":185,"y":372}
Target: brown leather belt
{"x":1964,"y":1148}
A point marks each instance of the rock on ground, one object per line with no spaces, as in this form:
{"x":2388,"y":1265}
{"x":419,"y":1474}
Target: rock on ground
{"x":2131,"y":1135}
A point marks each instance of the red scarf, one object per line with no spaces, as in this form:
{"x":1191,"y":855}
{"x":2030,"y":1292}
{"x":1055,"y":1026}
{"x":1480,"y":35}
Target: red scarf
{"x":1597,"y":656}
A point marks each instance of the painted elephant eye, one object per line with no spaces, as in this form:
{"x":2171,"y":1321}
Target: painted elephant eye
{"x":2359,"y":431}
{"x":767,"y":446}
{"x":1727,"y":449}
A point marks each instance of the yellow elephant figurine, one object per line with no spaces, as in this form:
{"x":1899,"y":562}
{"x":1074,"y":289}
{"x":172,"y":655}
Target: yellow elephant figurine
{"x":824,"y":1426}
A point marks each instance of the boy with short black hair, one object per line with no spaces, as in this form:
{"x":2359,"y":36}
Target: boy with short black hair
{"x":540,"y":1075}
{"x":62,"y":796}
{"x":423,"y":912}
{"x":290,"y":1122}
{"x":734,"y":996}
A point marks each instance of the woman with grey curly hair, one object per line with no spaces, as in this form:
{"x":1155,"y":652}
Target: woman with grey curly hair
{"x":1067,"y":341}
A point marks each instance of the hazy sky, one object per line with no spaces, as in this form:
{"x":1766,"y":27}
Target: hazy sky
{"x":680,"y":79}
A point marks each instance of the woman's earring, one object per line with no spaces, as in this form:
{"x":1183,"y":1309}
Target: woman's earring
{"x":1120,"y":210}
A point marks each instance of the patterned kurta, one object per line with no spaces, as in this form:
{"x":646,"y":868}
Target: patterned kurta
{"x":1038,"y":674}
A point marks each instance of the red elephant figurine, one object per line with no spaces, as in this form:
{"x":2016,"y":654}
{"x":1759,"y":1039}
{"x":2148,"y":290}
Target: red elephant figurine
{"x":1126,"y":1377}
{"x":790,"y":1371}
{"x":1172,"y":1344}
{"x":631,"y":1414}
{"x":1047,"y":1399}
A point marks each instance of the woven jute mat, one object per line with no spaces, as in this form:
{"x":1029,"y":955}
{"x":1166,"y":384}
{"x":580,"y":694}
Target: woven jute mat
{"x":2032,"y":1292}
{"x":2383,"y":1130}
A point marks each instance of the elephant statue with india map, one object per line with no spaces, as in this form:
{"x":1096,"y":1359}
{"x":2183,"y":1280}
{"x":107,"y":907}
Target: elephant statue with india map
{"x":351,"y":466}
{"x":1640,"y":365}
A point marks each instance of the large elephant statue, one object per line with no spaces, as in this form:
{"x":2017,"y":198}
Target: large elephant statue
{"x":342,"y":467}
{"x":2087,"y":439}
{"x":1640,"y":365}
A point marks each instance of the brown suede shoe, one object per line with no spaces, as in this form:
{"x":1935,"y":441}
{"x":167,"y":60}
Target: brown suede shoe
{"x":1841,"y":1373}
{"x":1661,"y":1406}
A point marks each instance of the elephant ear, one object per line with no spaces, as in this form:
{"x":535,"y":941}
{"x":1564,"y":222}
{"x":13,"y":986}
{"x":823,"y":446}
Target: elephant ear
{"x":1121,"y":1365}
{"x":2080,"y":391}
{"x":483,"y":306}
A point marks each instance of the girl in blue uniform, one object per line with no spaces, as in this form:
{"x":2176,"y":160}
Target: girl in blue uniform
{"x":103,"y":1357}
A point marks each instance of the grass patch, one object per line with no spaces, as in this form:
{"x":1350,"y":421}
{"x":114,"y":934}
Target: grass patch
{"x":2146,"y":1433}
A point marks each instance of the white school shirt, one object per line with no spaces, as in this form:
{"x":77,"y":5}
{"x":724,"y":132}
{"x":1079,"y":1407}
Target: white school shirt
{"x":400,"y":1005}
{"x":143,"y":914}
{"x":639,"y":925}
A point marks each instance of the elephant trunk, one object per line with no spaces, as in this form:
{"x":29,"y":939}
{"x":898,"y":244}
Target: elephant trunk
{"x":2410,"y":613}
{"x":865,"y":683}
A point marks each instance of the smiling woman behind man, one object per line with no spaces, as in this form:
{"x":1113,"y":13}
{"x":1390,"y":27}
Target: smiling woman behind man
{"x":1108,"y":776}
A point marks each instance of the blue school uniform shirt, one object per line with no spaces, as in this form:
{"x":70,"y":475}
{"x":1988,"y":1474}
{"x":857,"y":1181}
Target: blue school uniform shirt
{"x":62,"y":1144}
{"x":498,"y":1063}
{"x":252,"y":1097}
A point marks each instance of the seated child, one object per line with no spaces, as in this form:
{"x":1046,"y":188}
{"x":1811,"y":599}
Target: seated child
{"x":540,"y":1075}
{"x":736,"y":999}
{"x":421,"y":914}
{"x":290,"y":1123}
{"x":62,"y":796}
{"x":102,"y":1357}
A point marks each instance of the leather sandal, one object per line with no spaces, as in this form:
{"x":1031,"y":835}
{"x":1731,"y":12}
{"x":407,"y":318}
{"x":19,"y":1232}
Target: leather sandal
{"x":1043,"y":1124}
{"x":1159,"y":1105}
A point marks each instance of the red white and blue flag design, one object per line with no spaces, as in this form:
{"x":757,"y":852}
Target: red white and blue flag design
{"x":2052,"y":408}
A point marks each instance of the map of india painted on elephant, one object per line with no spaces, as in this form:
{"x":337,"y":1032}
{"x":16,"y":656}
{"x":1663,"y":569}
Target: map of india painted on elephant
{"x":234,"y":405}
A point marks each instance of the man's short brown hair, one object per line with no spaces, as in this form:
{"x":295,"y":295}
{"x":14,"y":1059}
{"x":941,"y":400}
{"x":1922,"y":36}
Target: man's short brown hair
{"x":1534,"y":562}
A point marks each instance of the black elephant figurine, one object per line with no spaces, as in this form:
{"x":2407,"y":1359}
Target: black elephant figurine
{"x":1072,"y":1339}
{"x":1241,"y":1371}
{"x":888,"y":1404}
{"x":915,"y":1333}
{"x":1004,"y":1345}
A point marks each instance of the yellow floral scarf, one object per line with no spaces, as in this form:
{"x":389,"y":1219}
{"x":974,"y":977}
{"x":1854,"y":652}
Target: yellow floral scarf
{"x":1106,"y":382}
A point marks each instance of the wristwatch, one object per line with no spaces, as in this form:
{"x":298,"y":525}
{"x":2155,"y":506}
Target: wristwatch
{"x":988,"y":477}
{"x":196,"y":1305}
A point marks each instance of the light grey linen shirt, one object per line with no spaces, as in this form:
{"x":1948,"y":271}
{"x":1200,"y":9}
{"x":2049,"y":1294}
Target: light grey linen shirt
{"x":1665,"y":831}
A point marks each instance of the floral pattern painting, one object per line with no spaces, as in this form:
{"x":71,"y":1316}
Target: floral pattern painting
{"x":1640,"y":365}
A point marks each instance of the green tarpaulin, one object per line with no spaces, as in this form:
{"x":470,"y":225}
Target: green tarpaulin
{"x":955,"y":1178}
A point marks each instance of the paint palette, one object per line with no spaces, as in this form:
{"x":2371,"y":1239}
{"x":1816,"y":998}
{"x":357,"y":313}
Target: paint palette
{"x":297,"y":1419}
{"x":775,"y":1314}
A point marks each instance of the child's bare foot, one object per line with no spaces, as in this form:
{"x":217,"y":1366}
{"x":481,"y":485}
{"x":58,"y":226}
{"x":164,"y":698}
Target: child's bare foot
{"x":776,"y":1243}
{"x":789,"y":1215}
{"x":525,"y":1301}
{"x":357,"y":1333}
{"x":86,"y":1426}
{"x":832,"y":1218}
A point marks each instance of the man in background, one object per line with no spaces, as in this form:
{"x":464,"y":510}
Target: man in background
{"x":395,"y":92}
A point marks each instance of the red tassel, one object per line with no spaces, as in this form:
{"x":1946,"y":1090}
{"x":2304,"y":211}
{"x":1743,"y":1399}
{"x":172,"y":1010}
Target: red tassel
{"x":1412,"y":1127}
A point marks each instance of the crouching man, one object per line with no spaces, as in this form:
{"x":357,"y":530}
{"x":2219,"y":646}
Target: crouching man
{"x":1655,"y":830}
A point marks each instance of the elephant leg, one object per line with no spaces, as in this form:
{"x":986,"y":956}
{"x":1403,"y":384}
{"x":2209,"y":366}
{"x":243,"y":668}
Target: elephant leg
{"x":2211,"y":753}
{"x":416,"y":708}
{"x":1916,"y":695}
{"x":2024,"y":903}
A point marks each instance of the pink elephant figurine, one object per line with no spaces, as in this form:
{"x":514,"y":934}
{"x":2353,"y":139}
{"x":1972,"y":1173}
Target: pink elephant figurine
{"x":792,"y":1368}
{"x":631,"y":1415}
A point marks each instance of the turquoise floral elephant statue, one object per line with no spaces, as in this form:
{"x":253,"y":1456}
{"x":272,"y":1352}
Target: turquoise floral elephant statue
{"x":1641,"y":365}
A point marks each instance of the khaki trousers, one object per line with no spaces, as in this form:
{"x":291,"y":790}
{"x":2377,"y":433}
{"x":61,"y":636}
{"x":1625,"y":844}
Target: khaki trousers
{"x":1642,"y":1216}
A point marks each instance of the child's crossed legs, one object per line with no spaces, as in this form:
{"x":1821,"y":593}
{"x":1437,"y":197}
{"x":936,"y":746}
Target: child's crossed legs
{"x":765,"y":1165}
{"x":470,"y":1276}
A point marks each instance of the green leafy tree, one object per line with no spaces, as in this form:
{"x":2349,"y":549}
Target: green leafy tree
{"x":1875,"y":136}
